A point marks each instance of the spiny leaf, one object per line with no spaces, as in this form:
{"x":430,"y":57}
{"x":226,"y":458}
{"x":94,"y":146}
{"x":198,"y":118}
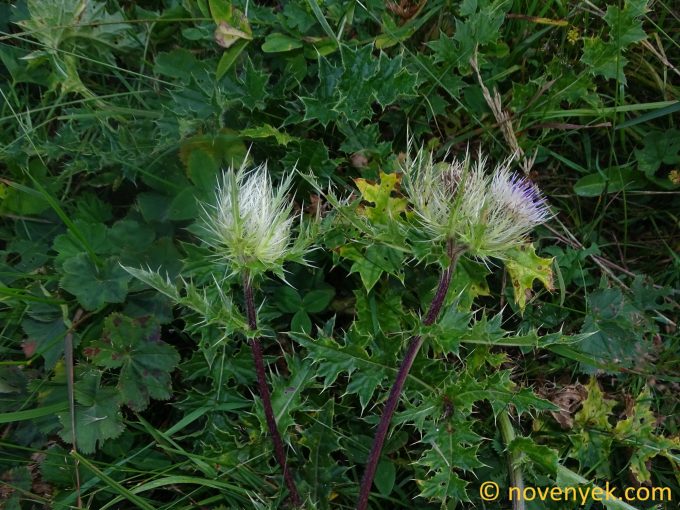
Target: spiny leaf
{"x":524,"y":266}
{"x":373,"y":262}
{"x":385,"y":207}
{"x":638,"y":431}
{"x":333,"y":359}
{"x":539,"y":454}
{"x":453,"y":446}
{"x":592,"y":440}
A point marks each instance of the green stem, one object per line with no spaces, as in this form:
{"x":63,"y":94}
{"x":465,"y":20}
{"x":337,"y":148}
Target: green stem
{"x":516,"y":478}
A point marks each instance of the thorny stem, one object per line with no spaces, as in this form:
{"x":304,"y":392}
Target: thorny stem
{"x":256,"y":348}
{"x":454,"y":253}
{"x":516,"y":478}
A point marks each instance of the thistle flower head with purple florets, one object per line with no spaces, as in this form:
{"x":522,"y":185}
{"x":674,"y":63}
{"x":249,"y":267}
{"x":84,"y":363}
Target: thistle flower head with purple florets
{"x":487,"y":213}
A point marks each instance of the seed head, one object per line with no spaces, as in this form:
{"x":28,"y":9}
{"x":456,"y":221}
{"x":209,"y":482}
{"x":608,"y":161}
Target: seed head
{"x":250,"y":223}
{"x":460,"y":201}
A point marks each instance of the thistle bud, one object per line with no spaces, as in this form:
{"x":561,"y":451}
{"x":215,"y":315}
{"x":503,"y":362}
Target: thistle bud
{"x":486,"y":213}
{"x":250,"y":224}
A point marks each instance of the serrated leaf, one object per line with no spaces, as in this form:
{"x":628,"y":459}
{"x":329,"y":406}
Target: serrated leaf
{"x":320,"y":106}
{"x":660,"y":148}
{"x":364,"y":383}
{"x":625,"y":24}
{"x":604,"y":59}
{"x":266,"y":131}
{"x":253,"y":89}
{"x":333,"y":359}
{"x":145,"y":362}
{"x":385,"y":207}
{"x":524,"y":266}
{"x":287,"y":393}
{"x":154,"y":280}
{"x":45,"y":338}
{"x":638,"y":431}
{"x":97,"y":414}
{"x":542,"y":455}
{"x":453,"y":446}
{"x":376,"y":260}
{"x":94,"y":286}
{"x":321,"y":469}
{"x":592,"y":440}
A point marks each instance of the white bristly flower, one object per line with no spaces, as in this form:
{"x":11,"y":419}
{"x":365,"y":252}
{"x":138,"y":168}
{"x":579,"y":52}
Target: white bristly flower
{"x":487,"y":213}
{"x":250,"y":224}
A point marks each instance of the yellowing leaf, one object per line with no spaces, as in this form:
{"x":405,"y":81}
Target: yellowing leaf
{"x":638,"y":430}
{"x":386,"y":207}
{"x":592,"y":440}
{"x":524,"y":266}
{"x":226,"y":35}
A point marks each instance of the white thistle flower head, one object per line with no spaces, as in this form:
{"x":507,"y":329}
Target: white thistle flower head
{"x":485,"y":213}
{"x":250,"y":224}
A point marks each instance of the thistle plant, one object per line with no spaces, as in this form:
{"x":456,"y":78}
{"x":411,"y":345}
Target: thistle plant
{"x":249,"y":228}
{"x":468,"y":209}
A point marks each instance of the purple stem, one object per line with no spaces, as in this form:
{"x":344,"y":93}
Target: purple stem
{"x":256,"y":348}
{"x":395,"y":391}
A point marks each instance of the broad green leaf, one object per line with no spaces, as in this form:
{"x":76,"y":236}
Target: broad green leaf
{"x":221,"y":10}
{"x":612,"y":180}
{"x":97,"y":414}
{"x":287,"y":299}
{"x":179,"y":63}
{"x":316,"y":301}
{"x":524,"y":266}
{"x":45,"y":338}
{"x":385,"y":476}
{"x":229,"y":57}
{"x":301,"y":322}
{"x":278,"y":43}
{"x":145,"y":361}
{"x":660,"y":148}
{"x":95,"y":286}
